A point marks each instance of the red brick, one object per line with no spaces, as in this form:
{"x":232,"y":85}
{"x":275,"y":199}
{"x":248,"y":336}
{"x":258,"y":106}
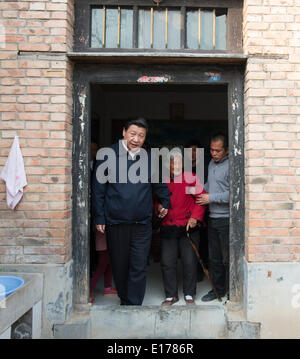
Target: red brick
{"x":34,"y":47}
{"x":34,"y":14}
{"x":38,"y":64}
{"x":33,"y":116}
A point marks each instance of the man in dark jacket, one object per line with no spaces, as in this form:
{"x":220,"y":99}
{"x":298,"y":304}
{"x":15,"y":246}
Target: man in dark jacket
{"x":123,"y":209}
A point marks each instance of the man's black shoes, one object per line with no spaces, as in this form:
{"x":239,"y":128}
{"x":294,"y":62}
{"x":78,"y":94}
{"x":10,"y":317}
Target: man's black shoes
{"x":211,"y":295}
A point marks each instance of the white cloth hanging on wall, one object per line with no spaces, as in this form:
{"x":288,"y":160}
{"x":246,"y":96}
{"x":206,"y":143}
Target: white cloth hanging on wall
{"x":14,"y":175}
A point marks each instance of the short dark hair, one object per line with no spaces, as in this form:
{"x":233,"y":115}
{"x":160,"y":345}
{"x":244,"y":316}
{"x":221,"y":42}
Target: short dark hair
{"x":137,"y":121}
{"x":193,"y":142}
{"x":220,"y":137}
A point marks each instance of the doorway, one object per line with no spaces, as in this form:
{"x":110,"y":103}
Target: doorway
{"x":178,"y":116}
{"x":183,"y":101}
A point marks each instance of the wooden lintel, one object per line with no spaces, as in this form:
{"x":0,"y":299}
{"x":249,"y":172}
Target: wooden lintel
{"x":156,"y":58}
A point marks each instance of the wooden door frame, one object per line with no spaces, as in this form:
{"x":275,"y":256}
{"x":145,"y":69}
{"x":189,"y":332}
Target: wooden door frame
{"x":87,"y":74}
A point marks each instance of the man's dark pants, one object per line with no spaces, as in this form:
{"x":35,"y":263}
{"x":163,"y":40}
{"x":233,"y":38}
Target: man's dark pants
{"x":128,"y":246}
{"x":218,"y":248}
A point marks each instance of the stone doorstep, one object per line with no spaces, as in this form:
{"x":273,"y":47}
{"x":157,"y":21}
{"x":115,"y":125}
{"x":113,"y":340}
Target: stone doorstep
{"x":239,"y":328}
{"x":147,"y":322}
{"x":155,"y":322}
{"x":78,"y":326}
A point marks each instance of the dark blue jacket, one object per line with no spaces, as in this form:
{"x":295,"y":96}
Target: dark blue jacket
{"x":125,"y":203}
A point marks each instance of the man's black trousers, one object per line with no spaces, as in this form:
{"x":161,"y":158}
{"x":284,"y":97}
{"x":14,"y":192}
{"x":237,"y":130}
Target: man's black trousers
{"x":218,"y":249}
{"x":128,"y":246}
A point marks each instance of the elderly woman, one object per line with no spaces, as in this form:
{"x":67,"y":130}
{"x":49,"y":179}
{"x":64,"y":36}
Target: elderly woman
{"x":183,"y":216}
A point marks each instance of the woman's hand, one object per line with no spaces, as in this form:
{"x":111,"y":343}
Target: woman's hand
{"x":192,"y":222}
{"x":100,"y":228}
{"x":162,"y":212}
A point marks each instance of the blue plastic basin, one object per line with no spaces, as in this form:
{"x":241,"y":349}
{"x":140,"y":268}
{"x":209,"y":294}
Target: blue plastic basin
{"x":9,"y":284}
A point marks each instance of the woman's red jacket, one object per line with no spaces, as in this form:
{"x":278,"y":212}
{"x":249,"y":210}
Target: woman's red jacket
{"x":183,"y":192}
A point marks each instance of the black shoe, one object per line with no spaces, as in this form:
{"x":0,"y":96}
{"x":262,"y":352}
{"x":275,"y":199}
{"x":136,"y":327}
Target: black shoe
{"x":209,"y":296}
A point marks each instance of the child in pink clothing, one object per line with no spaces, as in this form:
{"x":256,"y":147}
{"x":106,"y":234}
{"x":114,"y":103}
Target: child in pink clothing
{"x":103,"y":267}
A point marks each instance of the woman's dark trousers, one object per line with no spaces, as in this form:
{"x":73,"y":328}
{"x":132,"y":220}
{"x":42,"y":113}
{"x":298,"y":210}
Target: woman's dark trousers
{"x":171,"y":247}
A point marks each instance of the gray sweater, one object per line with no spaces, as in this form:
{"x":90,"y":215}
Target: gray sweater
{"x":217,"y":186}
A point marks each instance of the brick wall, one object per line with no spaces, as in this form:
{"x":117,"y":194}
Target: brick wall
{"x":36,"y":104}
{"x":272,"y":125}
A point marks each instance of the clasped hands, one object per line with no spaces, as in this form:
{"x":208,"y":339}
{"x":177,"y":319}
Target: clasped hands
{"x":162,"y":213}
{"x":192,"y":222}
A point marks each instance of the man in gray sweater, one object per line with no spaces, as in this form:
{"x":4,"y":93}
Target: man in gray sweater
{"x":217,"y":197}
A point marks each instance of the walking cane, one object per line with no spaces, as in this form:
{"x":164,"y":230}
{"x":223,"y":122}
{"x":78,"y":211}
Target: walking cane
{"x":203,"y":266}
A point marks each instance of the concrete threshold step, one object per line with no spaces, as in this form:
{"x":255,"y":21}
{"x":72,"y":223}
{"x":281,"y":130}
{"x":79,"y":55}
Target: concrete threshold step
{"x":239,"y":328}
{"x":156,"y":322}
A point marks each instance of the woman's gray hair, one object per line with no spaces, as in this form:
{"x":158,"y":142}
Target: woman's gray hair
{"x":175,"y":152}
